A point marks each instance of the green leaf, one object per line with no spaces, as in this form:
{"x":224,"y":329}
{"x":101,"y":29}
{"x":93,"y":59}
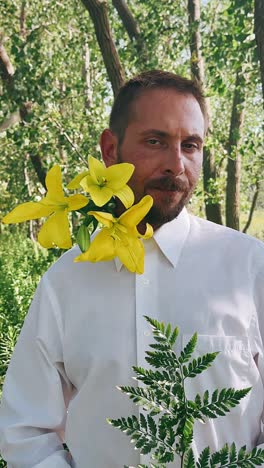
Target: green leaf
{"x":188,"y":350}
{"x":189,"y":460}
{"x":203,"y":460}
{"x":197,"y":366}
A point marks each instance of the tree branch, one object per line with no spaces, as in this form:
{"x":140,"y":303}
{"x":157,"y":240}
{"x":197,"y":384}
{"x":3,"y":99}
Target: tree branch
{"x":253,"y":206}
{"x":131,"y":26}
{"x":212,"y":208}
{"x":259,"y":32}
{"x":6,"y":68}
{"x":98,"y":13}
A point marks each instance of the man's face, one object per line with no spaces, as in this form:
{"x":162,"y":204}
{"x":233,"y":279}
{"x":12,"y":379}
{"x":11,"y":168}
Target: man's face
{"x":164,"y":141}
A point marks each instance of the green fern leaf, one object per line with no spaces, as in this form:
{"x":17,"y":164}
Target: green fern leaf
{"x":232,"y":453}
{"x":168,"y":331}
{"x":201,"y":364}
{"x":203,"y":460}
{"x":224,"y":455}
{"x":143,"y":422}
{"x":189,"y":461}
{"x":188,"y":350}
{"x":152,"y":426}
{"x":221,"y":403}
{"x":174,"y":336}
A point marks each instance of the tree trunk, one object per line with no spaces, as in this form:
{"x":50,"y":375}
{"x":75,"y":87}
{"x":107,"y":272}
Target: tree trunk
{"x":234,"y":157}
{"x":259,"y":32}
{"x":38,"y":166}
{"x":98,"y":12}
{"x":132,"y":28}
{"x":252,"y":208}
{"x":23,"y":30}
{"x":6,"y":68}
{"x":19,"y":116}
{"x":212,"y":208}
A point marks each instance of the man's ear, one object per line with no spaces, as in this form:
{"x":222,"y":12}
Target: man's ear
{"x":109,"y":145}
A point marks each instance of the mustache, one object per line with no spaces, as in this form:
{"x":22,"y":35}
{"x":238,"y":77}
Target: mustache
{"x":168,"y":183}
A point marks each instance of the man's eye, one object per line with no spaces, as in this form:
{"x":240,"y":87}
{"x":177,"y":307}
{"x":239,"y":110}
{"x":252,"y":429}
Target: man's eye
{"x":190,"y":146}
{"x":154,"y":141}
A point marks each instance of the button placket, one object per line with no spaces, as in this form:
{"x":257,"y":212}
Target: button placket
{"x":146,"y":304}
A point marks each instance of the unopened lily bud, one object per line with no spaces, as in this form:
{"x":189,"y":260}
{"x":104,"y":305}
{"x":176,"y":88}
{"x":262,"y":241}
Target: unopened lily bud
{"x":83,"y":238}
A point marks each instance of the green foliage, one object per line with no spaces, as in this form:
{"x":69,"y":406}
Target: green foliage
{"x":22,"y":263}
{"x":170,"y":435}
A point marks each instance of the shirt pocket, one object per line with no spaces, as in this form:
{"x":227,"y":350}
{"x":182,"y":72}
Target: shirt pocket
{"x":234,"y":366}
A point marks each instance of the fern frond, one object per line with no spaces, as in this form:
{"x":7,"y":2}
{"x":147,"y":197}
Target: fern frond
{"x":188,"y":350}
{"x":159,"y":359}
{"x":171,"y":434}
{"x":221,"y":403}
{"x":162,"y":334}
{"x":197,"y":366}
{"x":189,"y":461}
{"x":204,"y":458}
{"x":144,"y":397}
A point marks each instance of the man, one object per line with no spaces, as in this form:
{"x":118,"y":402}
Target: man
{"x":85,"y":328}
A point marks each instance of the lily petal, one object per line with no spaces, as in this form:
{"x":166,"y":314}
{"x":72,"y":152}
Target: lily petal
{"x":126,"y":195}
{"x":118,"y":175}
{"x":100,"y":195}
{"x":26,"y":211}
{"x":75,"y":202}
{"x":75,"y":182}
{"x":87,"y":182}
{"x":106,"y":219}
{"x":54,"y":184}
{"x":136,"y":213}
{"x":96,"y":168}
{"x":130,"y":251}
{"x":56,"y":231}
{"x":148,"y":233}
{"x":101,"y":249}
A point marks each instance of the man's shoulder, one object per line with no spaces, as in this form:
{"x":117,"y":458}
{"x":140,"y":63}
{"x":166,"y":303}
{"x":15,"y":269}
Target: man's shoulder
{"x":226,"y":239}
{"x":218,"y":229}
{"x":65,"y":269}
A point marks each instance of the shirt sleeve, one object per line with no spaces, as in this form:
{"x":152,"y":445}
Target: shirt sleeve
{"x":36,"y":390}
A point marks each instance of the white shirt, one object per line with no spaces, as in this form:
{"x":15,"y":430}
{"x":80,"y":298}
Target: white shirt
{"x":85,"y":329}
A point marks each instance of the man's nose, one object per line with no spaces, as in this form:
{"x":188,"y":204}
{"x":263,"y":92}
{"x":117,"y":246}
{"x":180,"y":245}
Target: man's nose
{"x":174,"y":161}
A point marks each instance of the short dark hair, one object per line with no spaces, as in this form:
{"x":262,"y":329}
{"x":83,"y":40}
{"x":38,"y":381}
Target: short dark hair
{"x":148,"y":80}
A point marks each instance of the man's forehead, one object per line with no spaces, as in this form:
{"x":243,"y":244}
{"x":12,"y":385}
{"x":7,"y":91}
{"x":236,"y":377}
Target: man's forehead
{"x":167,"y":111}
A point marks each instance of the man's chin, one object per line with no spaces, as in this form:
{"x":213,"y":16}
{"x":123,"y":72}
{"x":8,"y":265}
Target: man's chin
{"x":159,"y":215}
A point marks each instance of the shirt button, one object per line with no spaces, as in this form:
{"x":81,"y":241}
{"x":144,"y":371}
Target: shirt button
{"x":145,"y":281}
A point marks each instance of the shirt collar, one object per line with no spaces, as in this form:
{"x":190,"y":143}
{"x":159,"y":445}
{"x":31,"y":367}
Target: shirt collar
{"x":170,"y":238}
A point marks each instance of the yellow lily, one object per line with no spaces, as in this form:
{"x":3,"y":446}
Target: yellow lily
{"x":55,"y":231}
{"x":102,"y":183}
{"x":120,"y":237}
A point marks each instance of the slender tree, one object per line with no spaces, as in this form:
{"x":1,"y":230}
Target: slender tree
{"x":98,"y":13}
{"x":259,"y":32}
{"x":234,"y":155}
{"x":212,"y":208}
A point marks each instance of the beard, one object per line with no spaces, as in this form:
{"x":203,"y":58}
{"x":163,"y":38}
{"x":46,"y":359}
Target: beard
{"x":168,"y":209}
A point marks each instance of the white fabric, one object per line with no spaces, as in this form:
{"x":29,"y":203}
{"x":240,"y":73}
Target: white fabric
{"x":85,"y":330}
